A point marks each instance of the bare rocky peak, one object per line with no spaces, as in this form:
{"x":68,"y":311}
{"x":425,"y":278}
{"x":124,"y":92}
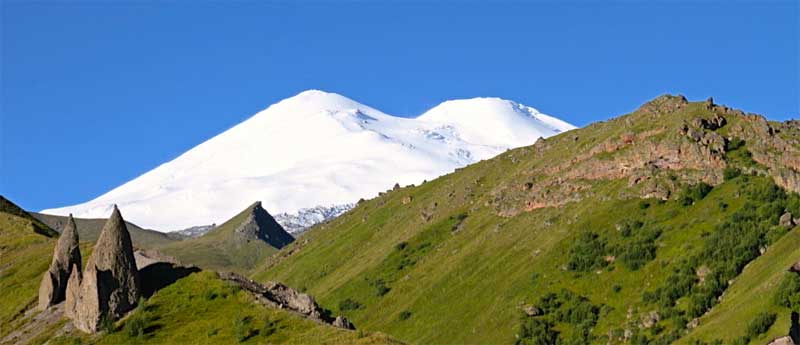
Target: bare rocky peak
{"x":260,"y":225}
{"x":110,"y":285}
{"x":67,"y":254}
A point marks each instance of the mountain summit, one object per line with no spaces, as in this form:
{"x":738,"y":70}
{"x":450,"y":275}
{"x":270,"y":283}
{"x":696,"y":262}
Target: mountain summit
{"x":318,"y":149}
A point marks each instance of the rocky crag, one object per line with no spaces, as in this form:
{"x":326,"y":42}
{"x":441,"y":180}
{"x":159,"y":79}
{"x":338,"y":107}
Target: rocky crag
{"x":277,"y":295}
{"x":110,"y":285}
{"x":66,"y":258}
{"x":260,"y":225}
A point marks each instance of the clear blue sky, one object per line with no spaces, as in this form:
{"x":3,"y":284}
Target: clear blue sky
{"x":96,"y":93}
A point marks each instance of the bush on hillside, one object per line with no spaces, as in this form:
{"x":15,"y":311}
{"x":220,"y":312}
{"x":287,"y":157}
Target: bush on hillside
{"x":586,"y":253}
{"x":349,"y":304}
{"x":788,"y":292}
{"x":536,"y":331}
{"x":760,"y":324}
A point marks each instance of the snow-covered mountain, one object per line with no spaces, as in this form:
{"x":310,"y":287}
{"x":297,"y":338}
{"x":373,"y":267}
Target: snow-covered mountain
{"x":313,"y":149}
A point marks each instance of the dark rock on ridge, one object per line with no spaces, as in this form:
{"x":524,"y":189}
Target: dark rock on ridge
{"x":260,"y":225}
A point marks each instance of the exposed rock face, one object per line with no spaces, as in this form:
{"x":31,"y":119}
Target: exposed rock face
{"x":260,"y":225}
{"x":277,"y":295}
{"x":66,"y":255}
{"x":110,"y":286}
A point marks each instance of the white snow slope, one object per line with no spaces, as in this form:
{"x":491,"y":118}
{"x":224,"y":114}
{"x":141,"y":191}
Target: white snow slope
{"x":317,"y":148}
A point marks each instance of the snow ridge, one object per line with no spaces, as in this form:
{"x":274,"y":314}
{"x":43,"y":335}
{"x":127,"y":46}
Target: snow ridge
{"x":317,"y":148}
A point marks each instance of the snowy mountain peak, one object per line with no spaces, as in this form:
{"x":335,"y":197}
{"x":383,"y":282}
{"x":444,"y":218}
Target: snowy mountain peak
{"x":317,"y":148}
{"x":495,"y":121}
{"x":316,"y":101}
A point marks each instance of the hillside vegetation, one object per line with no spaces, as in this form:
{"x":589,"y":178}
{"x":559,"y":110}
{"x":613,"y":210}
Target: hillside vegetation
{"x":642,"y":229}
{"x":239,"y":244}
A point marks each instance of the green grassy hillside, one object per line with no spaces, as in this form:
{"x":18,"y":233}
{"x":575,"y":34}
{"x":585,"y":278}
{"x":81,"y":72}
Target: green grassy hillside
{"x":202,"y":309}
{"x":623,"y":231}
{"x":219,"y":248}
{"x":197,"y":309}
{"x":26,"y":246}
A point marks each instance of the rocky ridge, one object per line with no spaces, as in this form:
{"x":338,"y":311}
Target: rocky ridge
{"x":280,"y":296}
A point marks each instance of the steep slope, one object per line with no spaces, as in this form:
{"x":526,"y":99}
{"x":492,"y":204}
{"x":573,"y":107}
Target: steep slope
{"x":89,"y":229}
{"x":26,"y":245}
{"x":236,"y":245}
{"x":317,"y":149}
{"x":623,"y":231}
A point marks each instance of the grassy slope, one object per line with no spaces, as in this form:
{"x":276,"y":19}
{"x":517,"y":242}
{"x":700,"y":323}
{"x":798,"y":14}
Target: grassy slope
{"x":202,"y":309}
{"x":26,"y":247}
{"x":752,"y":293}
{"x":89,"y":230}
{"x":466,"y":286}
{"x":216,"y":249}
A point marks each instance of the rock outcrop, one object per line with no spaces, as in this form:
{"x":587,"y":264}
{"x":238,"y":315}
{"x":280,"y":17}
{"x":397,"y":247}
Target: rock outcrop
{"x":66,"y":257}
{"x":110,"y":285}
{"x":342,"y":322}
{"x":260,"y":225}
{"x":277,"y":295}
{"x":786,"y":220}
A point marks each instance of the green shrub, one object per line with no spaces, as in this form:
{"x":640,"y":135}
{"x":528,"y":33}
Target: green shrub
{"x":349,"y":304}
{"x":586,"y":253}
{"x":535,"y":331}
{"x":380,"y":287}
{"x":210,"y":294}
{"x":404,"y":315}
{"x":761,"y":324}
{"x":106,"y":324}
{"x":268,"y":328}
{"x":691,"y":194}
{"x":730,"y":173}
{"x":135,"y":326}
{"x":241,"y":329}
{"x":788,"y":293}
{"x":616,"y":288}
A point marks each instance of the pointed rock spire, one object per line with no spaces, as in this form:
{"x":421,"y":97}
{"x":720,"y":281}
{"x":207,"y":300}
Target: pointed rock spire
{"x":111,"y":285}
{"x":260,"y":225}
{"x":67,"y":254}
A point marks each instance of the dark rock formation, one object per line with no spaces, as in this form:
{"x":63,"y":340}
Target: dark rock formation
{"x":110,"y":286}
{"x":66,"y":255}
{"x":260,"y":225}
{"x":277,"y":295}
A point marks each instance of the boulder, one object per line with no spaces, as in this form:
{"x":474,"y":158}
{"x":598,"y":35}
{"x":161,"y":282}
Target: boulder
{"x":787,"y":340}
{"x":786,"y":220}
{"x":67,"y":254}
{"x":342,"y":322}
{"x":73,"y":292}
{"x":290,"y":298}
{"x":110,"y":286}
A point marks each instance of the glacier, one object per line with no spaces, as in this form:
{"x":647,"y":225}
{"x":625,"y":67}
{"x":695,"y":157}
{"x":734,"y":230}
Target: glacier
{"x":315,"y":149}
